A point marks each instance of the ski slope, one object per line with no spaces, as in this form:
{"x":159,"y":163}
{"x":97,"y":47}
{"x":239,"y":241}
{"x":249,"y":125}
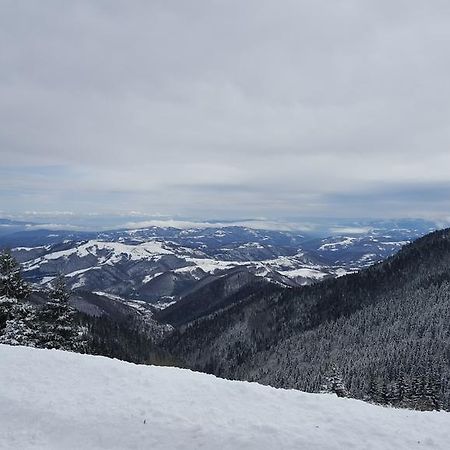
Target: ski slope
{"x":58,"y":400}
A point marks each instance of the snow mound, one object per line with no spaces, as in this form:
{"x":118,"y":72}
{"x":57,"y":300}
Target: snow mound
{"x":58,"y":400}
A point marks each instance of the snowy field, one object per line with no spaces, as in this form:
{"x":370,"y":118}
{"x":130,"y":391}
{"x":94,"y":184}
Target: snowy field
{"x":59,"y":400}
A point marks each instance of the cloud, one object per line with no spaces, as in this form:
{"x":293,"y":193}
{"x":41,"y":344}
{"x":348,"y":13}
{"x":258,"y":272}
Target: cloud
{"x":350,"y":230}
{"x":224,"y":109}
{"x":259,"y":224}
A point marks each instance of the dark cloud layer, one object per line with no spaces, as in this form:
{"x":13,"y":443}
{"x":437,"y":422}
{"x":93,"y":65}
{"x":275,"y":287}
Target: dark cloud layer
{"x":225,"y":108}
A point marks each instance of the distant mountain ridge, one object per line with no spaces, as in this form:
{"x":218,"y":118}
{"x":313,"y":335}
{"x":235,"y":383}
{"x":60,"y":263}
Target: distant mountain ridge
{"x":163,"y":265}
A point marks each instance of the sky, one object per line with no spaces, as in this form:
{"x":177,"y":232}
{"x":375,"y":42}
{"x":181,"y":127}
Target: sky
{"x":226,"y":110}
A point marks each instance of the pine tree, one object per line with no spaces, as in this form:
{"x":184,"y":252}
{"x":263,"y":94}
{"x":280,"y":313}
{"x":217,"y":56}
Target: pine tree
{"x":17,"y":319}
{"x":397,"y":391}
{"x":432,"y":391}
{"x":374,"y":390}
{"x":417,"y":386}
{"x":334,"y":382}
{"x":6,"y":307}
{"x":403,"y":390}
{"x":12,"y":284}
{"x":58,"y":320}
{"x":385,"y":397}
{"x":21,"y":329}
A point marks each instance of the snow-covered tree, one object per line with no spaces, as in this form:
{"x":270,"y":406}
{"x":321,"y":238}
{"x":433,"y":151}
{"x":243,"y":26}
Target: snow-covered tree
{"x":14,"y":323}
{"x":12,"y":284}
{"x":22,"y":328}
{"x":334,"y":382}
{"x":58,"y":325}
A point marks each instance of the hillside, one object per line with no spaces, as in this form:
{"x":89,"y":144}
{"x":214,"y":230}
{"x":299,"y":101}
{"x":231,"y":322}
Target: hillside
{"x":54,"y":400}
{"x":384,"y":326}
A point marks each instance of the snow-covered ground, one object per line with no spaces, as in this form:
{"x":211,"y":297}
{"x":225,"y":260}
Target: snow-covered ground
{"x":60,"y":400}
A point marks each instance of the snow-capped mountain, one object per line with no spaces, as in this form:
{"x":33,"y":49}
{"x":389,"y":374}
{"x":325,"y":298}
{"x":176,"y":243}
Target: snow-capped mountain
{"x":161,"y":265}
{"x":156,"y":268}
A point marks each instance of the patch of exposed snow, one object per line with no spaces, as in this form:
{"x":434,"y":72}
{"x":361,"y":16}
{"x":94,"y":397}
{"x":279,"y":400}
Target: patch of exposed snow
{"x":149,"y":278}
{"x":46,"y":280}
{"x":79,"y":272}
{"x":333,"y":246}
{"x":164,"y":305}
{"x":305,"y":273}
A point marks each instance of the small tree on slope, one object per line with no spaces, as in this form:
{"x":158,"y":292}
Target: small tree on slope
{"x":17,"y":319}
{"x":12,"y":288}
{"x":12,"y":284}
{"x":59,"y":328}
{"x":334,"y":383}
{"x":21,"y":329}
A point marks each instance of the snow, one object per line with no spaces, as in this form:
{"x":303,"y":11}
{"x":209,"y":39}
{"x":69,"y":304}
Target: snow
{"x":79,"y":272}
{"x":149,"y":278}
{"x":115,"y":251}
{"x":46,"y":280}
{"x":111,"y":253}
{"x":211,"y":265}
{"x":251,"y":245}
{"x":342,"y":272}
{"x":59,"y":400}
{"x":396,"y":243}
{"x":194,"y":271}
{"x":344,"y":243}
{"x":305,"y":273}
{"x":28,"y":249}
{"x":108,"y":295}
{"x":162,"y":304}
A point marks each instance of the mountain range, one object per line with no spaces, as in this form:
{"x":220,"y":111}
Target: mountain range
{"x":162,"y":265}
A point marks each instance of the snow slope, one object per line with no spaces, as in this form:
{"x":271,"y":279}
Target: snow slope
{"x":58,"y":400}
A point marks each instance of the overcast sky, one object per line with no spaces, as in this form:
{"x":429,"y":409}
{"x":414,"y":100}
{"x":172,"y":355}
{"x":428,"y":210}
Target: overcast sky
{"x":226,"y":109}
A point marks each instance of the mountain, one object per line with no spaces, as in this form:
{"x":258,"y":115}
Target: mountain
{"x":54,"y":400}
{"x":163,"y":265}
{"x":212,"y":296}
{"x":369,"y":243}
{"x":384,"y":326}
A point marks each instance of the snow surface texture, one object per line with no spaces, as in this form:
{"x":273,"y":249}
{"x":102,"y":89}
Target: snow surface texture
{"x":59,"y":400}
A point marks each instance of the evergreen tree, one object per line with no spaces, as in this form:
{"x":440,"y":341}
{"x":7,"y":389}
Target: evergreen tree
{"x":397,"y":391}
{"x":17,"y":319}
{"x":12,"y":287}
{"x":6,"y":308}
{"x":12,"y":284}
{"x":417,"y":386}
{"x":21,"y":329}
{"x":374,"y":390}
{"x":385,"y":395}
{"x":402,"y":388}
{"x":431,"y":392}
{"x":334,"y":382}
{"x":59,"y":328}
